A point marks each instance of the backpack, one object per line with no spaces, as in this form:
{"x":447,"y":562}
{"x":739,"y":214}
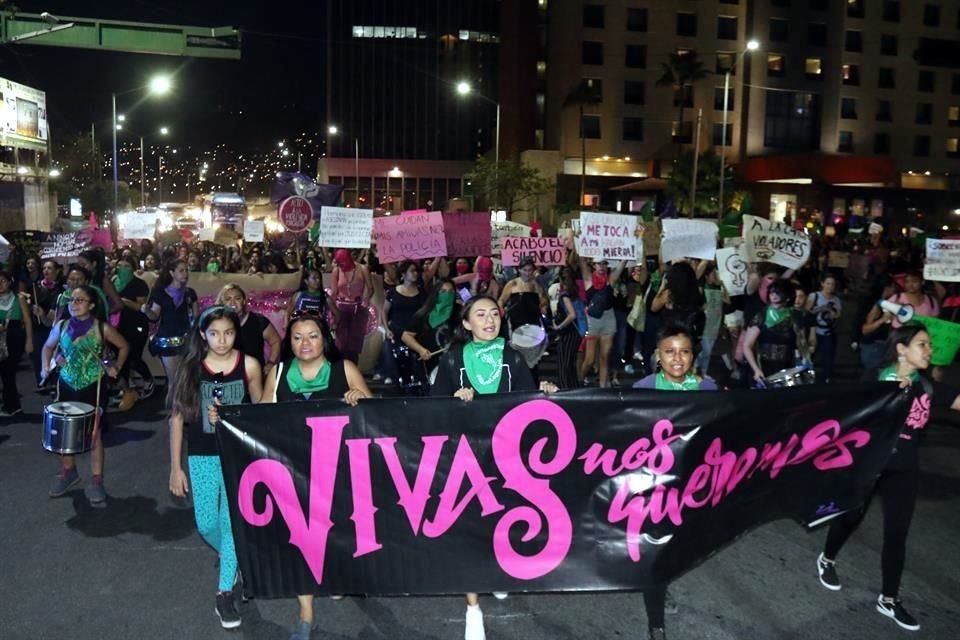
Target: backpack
{"x":599,"y":301}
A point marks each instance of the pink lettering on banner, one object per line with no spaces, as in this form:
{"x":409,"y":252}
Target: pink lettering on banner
{"x":310,"y":538}
{"x":413,"y":500}
{"x":507,"y":453}
{"x":363,"y":507}
{"x":919,"y":412}
{"x":647,"y":496}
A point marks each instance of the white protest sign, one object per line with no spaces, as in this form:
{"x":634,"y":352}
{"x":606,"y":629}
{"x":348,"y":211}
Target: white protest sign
{"x":139,"y":226}
{"x":253,"y":231}
{"x":943,"y":260}
{"x":609,"y":236}
{"x":206,"y":234}
{"x":503,"y":229}
{"x":733,"y":269}
{"x":65,"y":245}
{"x":768,"y":241}
{"x":346,"y":227}
{"x":688,"y":239}
{"x":411,"y":236}
{"x":4,"y":249}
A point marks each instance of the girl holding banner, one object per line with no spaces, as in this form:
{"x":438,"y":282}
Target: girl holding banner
{"x":909,"y":353}
{"x":481,"y":362}
{"x":213,"y":372}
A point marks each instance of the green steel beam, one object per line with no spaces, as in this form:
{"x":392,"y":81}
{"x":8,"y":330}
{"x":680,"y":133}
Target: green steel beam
{"x":129,"y":37}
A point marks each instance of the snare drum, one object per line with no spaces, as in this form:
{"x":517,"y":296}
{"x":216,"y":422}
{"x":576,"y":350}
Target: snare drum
{"x":795,"y":377}
{"x":166,"y":346}
{"x":530,"y":340}
{"x":68,"y":427}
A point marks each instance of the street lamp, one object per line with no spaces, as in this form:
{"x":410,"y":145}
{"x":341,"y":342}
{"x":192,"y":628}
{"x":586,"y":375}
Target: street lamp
{"x":159,"y":85}
{"x":334,"y":130}
{"x":752,"y":45}
{"x":464,"y":89}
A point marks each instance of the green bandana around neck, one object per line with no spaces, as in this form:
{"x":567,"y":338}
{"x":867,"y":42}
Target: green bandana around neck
{"x":776,"y":316}
{"x":123,"y":277}
{"x":890,"y":375}
{"x":213,"y":267}
{"x":484,"y":364}
{"x":690,"y":383}
{"x":442,"y":309}
{"x":298,"y":385}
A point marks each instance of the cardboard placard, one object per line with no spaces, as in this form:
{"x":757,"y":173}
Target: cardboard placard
{"x":254,"y":231}
{"x":943,"y":260}
{"x":688,"y":239}
{"x":733,"y":267}
{"x":468,"y":234}
{"x":346,"y":227}
{"x":414,"y":236}
{"x":609,"y":236}
{"x":546,"y":252}
{"x":768,"y":241}
{"x":838,"y":259}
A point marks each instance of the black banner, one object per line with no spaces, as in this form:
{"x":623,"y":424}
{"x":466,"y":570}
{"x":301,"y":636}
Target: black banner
{"x":584,"y":490}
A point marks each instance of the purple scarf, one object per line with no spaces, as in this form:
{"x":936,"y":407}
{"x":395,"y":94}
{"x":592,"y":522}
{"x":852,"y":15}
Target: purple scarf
{"x":77,"y":328}
{"x":177,"y":294}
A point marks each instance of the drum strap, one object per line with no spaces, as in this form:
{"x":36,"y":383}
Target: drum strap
{"x":276,"y":383}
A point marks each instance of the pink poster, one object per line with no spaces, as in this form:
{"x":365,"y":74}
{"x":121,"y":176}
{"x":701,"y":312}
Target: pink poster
{"x":413,"y":236}
{"x":468,"y":234}
{"x":546,"y":252}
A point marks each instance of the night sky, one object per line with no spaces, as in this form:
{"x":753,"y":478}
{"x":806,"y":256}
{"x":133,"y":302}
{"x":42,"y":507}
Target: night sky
{"x":277,"y":84}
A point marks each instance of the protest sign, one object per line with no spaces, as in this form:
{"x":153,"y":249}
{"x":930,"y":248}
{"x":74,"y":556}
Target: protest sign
{"x":63,"y":247}
{"x":609,"y":236}
{"x":652,"y":237}
{"x":546,"y":252}
{"x":346,"y":227}
{"x":468,"y":234}
{"x":584,"y":490}
{"x":254,"y":230}
{"x":205,"y":234}
{"x":838,"y":259}
{"x":943,"y":260}
{"x":414,"y":236}
{"x":733,"y":269}
{"x":295,"y":214}
{"x":768,"y":241}
{"x":504,"y":229}
{"x":688,"y":239}
{"x":138,"y":226}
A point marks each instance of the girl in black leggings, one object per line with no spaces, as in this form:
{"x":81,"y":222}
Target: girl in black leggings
{"x":909,"y":354}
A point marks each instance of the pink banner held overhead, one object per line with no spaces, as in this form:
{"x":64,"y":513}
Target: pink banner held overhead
{"x":414,"y":236}
{"x":468,"y":234}
{"x":546,"y":252}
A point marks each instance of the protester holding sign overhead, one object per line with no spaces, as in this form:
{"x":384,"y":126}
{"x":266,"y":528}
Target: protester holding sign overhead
{"x":908,"y":356}
{"x":601,"y":319}
{"x":352,"y":290}
{"x":481,"y":362}
{"x":524,"y":301}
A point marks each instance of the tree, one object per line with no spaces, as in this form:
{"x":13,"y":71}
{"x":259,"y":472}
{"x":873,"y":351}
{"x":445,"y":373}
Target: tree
{"x":583,"y":95}
{"x":80,"y":163}
{"x":708,"y":182}
{"x":515,"y":183}
{"x":681,"y":70}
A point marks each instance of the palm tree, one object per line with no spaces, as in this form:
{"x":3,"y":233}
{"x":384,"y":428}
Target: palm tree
{"x":583,"y":94}
{"x":681,"y":70}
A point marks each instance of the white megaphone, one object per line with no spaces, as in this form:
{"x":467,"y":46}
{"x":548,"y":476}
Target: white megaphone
{"x":902,"y":312}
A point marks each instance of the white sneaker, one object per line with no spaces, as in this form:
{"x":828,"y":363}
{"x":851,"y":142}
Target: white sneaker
{"x":474,"y":624}
{"x":500,"y":595}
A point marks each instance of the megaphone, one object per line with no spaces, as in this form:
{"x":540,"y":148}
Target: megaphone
{"x":902,"y":312}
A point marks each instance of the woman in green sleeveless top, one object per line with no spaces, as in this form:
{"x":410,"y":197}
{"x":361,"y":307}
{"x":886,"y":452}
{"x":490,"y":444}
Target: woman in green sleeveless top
{"x":79,"y":342}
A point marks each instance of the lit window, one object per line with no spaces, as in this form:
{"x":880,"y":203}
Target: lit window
{"x":464,"y":35}
{"x":814,"y":67}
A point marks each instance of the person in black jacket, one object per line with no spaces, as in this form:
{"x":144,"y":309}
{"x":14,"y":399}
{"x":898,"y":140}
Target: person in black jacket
{"x":480,"y":361}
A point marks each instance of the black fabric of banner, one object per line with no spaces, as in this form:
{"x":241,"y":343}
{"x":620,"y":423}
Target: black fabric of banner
{"x":582,"y":490}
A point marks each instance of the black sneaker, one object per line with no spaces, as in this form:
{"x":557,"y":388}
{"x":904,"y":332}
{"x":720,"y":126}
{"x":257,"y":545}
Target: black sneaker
{"x":893,"y":608}
{"x":828,"y":573}
{"x":226,"y":610}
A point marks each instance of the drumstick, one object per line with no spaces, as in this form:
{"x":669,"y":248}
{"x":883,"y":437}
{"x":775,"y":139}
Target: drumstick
{"x":433,"y":353}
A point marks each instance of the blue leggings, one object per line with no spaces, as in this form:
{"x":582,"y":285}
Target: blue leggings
{"x":212,"y":514}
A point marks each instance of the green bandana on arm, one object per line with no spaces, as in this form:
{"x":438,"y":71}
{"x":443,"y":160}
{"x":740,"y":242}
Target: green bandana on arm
{"x":442,"y":309}
{"x":776,"y":316}
{"x":300,"y":386}
{"x":890,"y":375}
{"x":484,"y":364}
{"x":690,"y":383}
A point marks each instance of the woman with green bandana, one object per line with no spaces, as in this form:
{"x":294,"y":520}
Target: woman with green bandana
{"x":481,"y":362}
{"x":426,"y":336}
{"x":135,"y":329}
{"x":908,"y":355}
{"x":774,"y":335}
{"x":675,"y":355}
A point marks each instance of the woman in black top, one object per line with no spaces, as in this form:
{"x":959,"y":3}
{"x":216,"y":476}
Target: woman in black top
{"x":134,"y":327}
{"x":173,"y":305}
{"x":480,"y":362}
{"x":427,"y":333}
{"x":565,"y":326}
{"x":775,"y":335}
{"x":44,"y":294}
{"x":256,"y":331}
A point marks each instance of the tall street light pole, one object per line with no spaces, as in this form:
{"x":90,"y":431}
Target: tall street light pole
{"x":464,"y":89}
{"x":752,"y":45}
{"x":334,"y":130}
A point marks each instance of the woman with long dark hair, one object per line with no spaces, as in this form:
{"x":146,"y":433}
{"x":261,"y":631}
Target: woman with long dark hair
{"x":907,"y":358}
{"x":16,"y":338}
{"x":256,"y":330}
{"x":774,"y":336}
{"x":135,"y":329}
{"x":94,"y":261}
{"x":213,"y":372}
{"x":426,"y":335}
{"x":311,"y":297}
{"x":567,"y":330}
{"x":173,"y":305}
{"x":480,"y":361}
{"x":80,"y":343}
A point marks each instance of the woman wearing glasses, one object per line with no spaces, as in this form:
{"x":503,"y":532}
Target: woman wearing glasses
{"x":80,"y":341}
